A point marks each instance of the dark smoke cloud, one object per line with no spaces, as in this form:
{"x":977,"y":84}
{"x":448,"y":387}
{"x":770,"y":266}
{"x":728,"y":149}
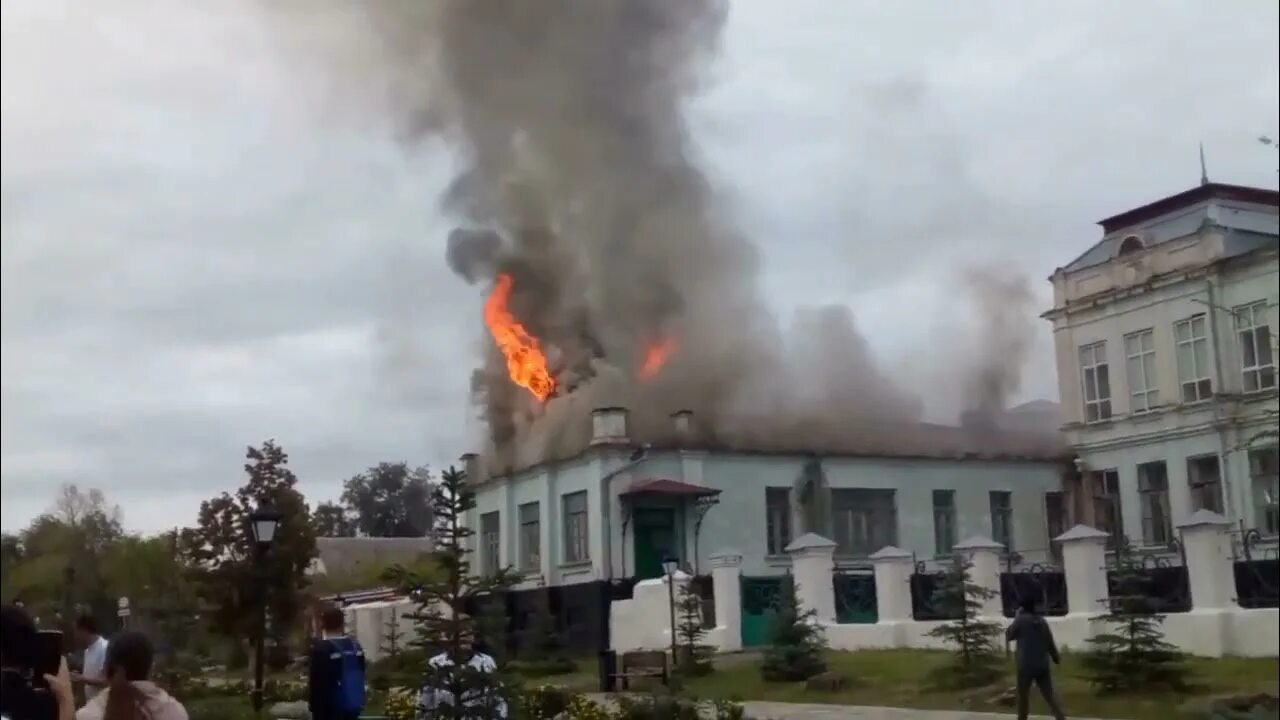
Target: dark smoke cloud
{"x":1003,"y":326}
{"x":567,"y":121}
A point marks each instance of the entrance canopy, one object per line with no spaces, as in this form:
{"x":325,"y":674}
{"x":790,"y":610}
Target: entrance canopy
{"x":670,"y":488}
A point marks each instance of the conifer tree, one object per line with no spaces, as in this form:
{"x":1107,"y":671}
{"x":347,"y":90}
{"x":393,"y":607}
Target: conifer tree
{"x":796,"y":642}
{"x":695,"y":654}
{"x":542,"y":649}
{"x":1132,"y":654}
{"x":392,"y":636}
{"x":442,"y":600}
{"x":976,"y":661}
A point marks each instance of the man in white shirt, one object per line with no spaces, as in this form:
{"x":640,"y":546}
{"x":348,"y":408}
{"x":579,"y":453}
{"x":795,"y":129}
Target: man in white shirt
{"x":432,"y":696}
{"x":95,"y":656}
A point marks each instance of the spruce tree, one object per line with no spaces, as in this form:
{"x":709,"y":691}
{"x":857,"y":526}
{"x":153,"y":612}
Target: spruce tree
{"x":796,"y":642}
{"x":976,"y":661}
{"x":695,"y":654}
{"x":392,"y":637}
{"x":1131,"y":654}
{"x":542,"y":650}
{"x":443,"y":599}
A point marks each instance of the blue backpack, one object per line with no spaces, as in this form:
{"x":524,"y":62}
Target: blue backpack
{"x":350,"y":690}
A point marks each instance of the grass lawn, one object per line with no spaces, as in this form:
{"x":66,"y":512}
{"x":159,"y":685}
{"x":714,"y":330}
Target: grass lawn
{"x":896,"y":678}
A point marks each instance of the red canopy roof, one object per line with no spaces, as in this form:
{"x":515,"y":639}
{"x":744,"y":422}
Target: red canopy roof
{"x":669,"y":487}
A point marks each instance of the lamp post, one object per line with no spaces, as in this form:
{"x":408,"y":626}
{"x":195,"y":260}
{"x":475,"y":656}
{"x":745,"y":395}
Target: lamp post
{"x":263,"y":522}
{"x":669,"y":567}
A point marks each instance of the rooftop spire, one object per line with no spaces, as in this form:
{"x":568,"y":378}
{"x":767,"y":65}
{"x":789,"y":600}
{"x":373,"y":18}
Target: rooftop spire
{"x":1204,"y":172}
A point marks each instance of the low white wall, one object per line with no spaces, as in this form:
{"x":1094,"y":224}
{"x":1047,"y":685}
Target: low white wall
{"x":644,"y":621}
{"x":368,"y":623}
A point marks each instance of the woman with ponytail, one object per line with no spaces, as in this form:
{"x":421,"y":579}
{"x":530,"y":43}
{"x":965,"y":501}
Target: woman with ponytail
{"x":130,"y":695}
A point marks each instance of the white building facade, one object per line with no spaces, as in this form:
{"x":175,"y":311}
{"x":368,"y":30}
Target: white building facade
{"x":615,"y":511}
{"x":1164,"y":336}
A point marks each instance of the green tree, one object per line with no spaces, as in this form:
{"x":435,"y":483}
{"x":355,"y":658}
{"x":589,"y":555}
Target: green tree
{"x":221,"y":550}
{"x":1131,"y":655}
{"x":390,"y":500}
{"x":332,"y":520}
{"x":542,"y":649}
{"x":392,"y":637}
{"x":976,"y":661}
{"x":444,"y":598}
{"x":695,"y":654}
{"x":796,"y":642}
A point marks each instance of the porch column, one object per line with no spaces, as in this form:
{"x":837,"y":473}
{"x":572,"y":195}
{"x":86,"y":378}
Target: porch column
{"x":813,"y":565}
{"x":984,"y":554}
{"x":1209,"y":566}
{"x":726,"y":583}
{"x":1084,"y":563}
{"x":893,"y":570}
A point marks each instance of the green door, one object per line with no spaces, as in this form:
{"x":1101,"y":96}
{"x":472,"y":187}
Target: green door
{"x":760,"y":596}
{"x":655,"y":537}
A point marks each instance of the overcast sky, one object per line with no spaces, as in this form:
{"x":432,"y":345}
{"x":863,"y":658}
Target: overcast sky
{"x":195,"y":259}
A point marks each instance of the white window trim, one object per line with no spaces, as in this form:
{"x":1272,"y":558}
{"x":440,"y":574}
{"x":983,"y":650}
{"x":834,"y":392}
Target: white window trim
{"x":1147,"y":398}
{"x":1255,"y":311}
{"x":1098,"y":359}
{"x":1198,"y":374}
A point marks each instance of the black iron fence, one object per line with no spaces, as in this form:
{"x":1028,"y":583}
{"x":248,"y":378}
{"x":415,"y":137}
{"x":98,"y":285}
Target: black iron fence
{"x":855,"y":591}
{"x":925,"y":584}
{"x":1256,"y":564}
{"x":579,"y":615}
{"x":1149,"y":580}
{"x":1043,"y":581}
{"x":704,"y":588}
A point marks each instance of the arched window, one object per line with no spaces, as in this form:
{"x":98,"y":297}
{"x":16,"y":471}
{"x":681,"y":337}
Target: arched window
{"x":1131,"y":244}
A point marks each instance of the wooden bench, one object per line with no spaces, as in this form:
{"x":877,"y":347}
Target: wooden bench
{"x":642,"y":664}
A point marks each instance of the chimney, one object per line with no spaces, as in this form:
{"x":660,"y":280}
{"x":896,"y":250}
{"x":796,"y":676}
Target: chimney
{"x":471,"y":466}
{"x":682,"y":421}
{"x":609,"y":425}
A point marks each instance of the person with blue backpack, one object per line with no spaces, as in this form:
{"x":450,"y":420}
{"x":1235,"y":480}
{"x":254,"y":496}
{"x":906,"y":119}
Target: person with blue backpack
{"x":336,"y":687}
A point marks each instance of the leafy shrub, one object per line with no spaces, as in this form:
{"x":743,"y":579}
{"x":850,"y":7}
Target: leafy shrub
{"x":543,"y":702}
{"x":402,"y":704}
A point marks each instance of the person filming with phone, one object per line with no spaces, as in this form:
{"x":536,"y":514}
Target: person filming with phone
{"x":34,"y":681}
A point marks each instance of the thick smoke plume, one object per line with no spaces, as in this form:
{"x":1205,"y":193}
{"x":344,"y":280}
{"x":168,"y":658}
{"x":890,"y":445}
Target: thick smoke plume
{"x":577,"y":178}
{"x":1004,"y":330}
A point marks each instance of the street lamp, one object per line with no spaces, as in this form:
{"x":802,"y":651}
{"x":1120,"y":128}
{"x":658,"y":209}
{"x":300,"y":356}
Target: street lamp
{"x":669,"y":567}
{"x":263,"y":523}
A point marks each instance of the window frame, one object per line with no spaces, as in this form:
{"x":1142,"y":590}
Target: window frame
{"x":1106,"y":489}
{"x":1198,"y":380}
{"x":577,"y":528}
{"x":1155,"y":531}
{"x":863,"y":509}
{"x":530,"y":561}
{"x":490,"y":542}
{"x":1258,"y":321}
{"x":1196,"y":487}
{"x":1147,"y":398}
{"x":777,"y":529}
{"x":1267,"y":506}
{"x":1005,"y":513}
{"x":947,"y":513}
{"x":1097,"y":364}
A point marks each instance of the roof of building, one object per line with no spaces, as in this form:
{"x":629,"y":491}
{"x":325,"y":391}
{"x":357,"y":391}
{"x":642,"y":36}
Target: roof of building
{"x":349,"y":556}
{"x":1158,"y":222}
{"x":664,"y":486}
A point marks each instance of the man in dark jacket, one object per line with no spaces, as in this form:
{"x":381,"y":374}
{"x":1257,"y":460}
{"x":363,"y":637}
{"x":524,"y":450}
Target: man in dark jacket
{"x":1035,"y":649}
{"x":325,"y":676}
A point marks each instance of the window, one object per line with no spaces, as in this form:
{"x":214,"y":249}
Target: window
{"x":1193,"y":358}
{"x":1153,"y":494}
{"x":1205,"y":478}
{"x":777,"y":519}
{"x":1106,"y":505}
{"x":1256,"y":359}
{"x":864,"y":520}
{"x":530,"y":537}
{"x":1264,"y":473}
{"x":490,"y":542}
{"x":1140,"y":369}
{"x":944,"y":521}
{"x":1002,"y":517}
{"x":576,"y":547}
{"x":1096,"y":378}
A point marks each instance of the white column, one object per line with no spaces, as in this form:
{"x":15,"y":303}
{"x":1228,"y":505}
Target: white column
{"x":1209,"y":565}
{"x":726,"y":583}
{"x":893,"y":568}
{"x":812,"y":565}
{"x":1084,"y":563}
{"x":984,"y":555}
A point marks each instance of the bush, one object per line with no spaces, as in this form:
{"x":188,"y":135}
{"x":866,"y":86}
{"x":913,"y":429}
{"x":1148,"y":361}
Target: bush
{"x":544,"y":702}
{"x":547,"y":667}
{"x":220,"y":708}
{"x":401,"y":704}
{"x":797,"y":643}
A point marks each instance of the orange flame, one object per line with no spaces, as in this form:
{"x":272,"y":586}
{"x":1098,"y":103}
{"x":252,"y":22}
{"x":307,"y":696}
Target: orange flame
{"x":526,"y":364}
{"x":656,"y":357}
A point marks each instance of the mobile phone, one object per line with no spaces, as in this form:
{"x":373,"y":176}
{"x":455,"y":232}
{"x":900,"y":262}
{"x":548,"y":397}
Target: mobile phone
{"x":48,"y":656}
